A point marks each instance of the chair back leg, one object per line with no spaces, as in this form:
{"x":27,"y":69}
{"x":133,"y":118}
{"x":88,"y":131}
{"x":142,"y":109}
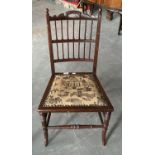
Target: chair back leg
{"x":105,"y":126}
{"x":45,"y":129}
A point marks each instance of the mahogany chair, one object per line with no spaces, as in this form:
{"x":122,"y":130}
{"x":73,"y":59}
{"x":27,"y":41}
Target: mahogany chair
{"x":74,"y":92}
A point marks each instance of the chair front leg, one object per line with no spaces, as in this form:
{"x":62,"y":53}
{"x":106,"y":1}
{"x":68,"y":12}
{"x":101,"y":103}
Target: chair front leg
{"x":105,"y":126}
{"x":45,"y":129}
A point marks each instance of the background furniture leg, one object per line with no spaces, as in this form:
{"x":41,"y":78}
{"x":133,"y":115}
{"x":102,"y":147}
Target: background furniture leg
{"x":105,"y":126}
{"x":100,"y":116}
{"x":82,"y":7}
{"x":120,"y":25}
{"x":44,"y":125}
{"x":92,"y":9}
{"x":109,"y":15}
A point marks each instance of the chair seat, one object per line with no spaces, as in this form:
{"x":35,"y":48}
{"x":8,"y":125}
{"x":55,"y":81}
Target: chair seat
{"x":74,"y":90}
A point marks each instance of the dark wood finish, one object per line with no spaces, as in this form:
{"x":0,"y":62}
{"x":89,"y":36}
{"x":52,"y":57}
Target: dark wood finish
{"x":85,"y":38}
{"x":62,"y":38}
{"x":100,"y":116}
{"x":56,"y":34}
{"x":45,"y":130}
{"x":73,"y":37}
{"x":90,"y":38}
{"x":105,"y":126}
{"x":97,"y":41}
{"x":45,"y":112}
{"x":75,"y":126}
{"x":120,"y":24}
{"x":108,"y":108}
{"x":109,"y":15}
{"x":73,"y":40}
{"x":83,"y":17}
{"x":90,"y":3}
{"x":79,"y":38}
{"x":73,"y":59}
{"x":117,"y":4}
{"x":112,"y":4}
{"x":67,"y":17}
{"x":67,"y":37}
{"x":49,"y":41}
{"x":76,"y":109}
{"x":48,"y":118}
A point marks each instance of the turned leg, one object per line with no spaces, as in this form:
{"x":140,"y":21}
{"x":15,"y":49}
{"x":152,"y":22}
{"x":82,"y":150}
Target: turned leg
{"x":105,"y":126}
{"x":45,"y":129}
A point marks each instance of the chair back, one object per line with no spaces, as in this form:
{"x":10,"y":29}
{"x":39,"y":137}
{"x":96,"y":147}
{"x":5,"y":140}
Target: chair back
{"x":73,"y":36}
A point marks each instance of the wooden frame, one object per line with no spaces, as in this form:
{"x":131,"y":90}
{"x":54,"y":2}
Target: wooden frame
{"x":45,"y":112}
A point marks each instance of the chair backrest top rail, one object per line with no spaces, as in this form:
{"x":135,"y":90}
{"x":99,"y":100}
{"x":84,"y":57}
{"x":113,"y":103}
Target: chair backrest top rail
{"x":70,"y":18}
{"x":66,"y":16}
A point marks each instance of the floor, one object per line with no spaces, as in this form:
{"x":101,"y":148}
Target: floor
{"x":86,"y":141}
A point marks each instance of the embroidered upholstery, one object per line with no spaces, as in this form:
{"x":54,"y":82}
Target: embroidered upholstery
{"x":74,"y":90}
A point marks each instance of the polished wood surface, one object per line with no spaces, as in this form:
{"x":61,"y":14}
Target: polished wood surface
{"x":45,"y":112}
{"x":115,"y":4}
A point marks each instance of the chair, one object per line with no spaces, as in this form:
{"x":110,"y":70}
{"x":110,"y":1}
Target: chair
{"x":74,"y":92}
